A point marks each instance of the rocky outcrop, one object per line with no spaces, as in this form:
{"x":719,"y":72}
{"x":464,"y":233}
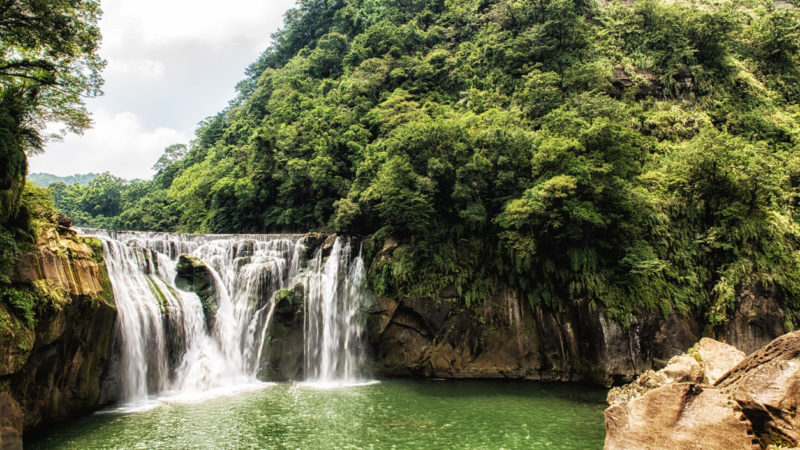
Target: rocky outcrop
{"x":283,"y":347}
{"x":705,"y":363}
{"x":54,"y":350}
{"x":507,"y":338}
{"x":66,"y":261}
{"x":752,"y":405}
{"x":716,"y":358}
{"x":758,"y":320}
{"x":193,"y":275}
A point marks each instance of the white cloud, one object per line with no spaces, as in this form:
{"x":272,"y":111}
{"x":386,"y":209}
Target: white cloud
{"x":171,"y":63}
{"x":137,"y":67}
{"x":117,"y":140}
{"x":159,"y":21}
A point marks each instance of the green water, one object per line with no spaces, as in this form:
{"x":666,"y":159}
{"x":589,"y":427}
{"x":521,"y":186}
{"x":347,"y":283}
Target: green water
{"x":391,"y":414}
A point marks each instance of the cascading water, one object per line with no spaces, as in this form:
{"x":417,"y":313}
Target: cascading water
{"x":334,"y":332}
{"x":168,"y":343}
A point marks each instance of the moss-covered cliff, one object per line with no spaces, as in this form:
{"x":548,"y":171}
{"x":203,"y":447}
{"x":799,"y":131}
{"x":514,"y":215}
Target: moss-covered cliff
{"x":56,"y":324}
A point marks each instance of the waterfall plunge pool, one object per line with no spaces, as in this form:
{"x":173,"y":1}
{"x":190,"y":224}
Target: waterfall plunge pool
{"x":188,"y":372}
{"x":392,"y":413}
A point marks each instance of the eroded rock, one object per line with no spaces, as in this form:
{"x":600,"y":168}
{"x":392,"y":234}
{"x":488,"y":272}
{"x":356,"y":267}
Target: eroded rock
{"x":717,"y":358}
{"x":193,"y":275}
{"x":283,"y":347}
{"x":753,"y":404}
{"x":680,"y":369}
{"x":758,"y":320}
{"x":52,"y":369}
{"x":678,"y":416}
{"x":65,"y":261}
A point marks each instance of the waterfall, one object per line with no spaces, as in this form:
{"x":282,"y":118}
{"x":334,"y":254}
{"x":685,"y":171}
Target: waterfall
{"x":181,"y":335}
{"x":334,"y":332}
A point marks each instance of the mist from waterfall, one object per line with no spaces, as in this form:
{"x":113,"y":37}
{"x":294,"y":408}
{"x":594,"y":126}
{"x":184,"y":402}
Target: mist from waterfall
{"x":169,"y":346}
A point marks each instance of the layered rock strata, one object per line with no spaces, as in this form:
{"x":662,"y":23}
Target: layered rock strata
{"x":51,"y":368}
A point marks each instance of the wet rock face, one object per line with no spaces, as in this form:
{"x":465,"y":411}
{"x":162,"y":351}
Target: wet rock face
{"x":53,"y":371}
{"x":16,"y":342}
{"x":283,"y":349}
{"x":193,"y":275}
{"x":758,"y":320}
{"x":507,"y":338}
{"x":62,"y":378}
{"x":752,"y":405}
{"x":10,"y":421}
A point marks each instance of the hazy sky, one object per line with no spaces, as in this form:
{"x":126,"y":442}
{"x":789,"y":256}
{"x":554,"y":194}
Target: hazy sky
{"x":171,"y":63}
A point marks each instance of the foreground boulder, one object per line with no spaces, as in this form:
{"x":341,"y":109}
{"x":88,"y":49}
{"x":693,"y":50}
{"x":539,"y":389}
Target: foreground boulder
{"x":736,"y":402}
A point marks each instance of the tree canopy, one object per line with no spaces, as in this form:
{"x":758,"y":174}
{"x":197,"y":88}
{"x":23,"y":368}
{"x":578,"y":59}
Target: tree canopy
{"x":49,"y":64}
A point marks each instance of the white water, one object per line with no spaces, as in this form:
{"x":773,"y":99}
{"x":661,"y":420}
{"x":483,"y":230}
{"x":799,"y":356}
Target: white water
{"x":166,"y":346}
{"x":334,"y":338}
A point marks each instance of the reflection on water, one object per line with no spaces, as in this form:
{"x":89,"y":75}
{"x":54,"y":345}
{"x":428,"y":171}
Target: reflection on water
{"x":404,"y":414}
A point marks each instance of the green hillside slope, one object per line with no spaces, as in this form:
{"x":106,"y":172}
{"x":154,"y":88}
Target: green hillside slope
{"x":640,"y":155}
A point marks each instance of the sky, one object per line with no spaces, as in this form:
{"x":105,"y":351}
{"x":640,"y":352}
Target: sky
{"x":171,"y":64}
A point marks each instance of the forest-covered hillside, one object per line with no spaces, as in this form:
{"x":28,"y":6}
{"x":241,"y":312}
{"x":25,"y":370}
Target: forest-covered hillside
{"x":641,"y":155}
{"x":46,"y":179}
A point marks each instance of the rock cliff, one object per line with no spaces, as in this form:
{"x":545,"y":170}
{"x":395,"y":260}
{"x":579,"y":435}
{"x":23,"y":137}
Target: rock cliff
{"x":507,"y":338}
{"x":56,"y":325}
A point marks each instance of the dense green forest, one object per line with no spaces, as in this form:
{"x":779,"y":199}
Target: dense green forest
{"x":637,"y":155}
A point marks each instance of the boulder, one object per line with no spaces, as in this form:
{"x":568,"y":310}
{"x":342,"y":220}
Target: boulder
{"x":717,"y":358}
{"x":678,"y":416}
{"x":283,"y":349}
{"x":193,"y":275}
{"x":681,"y":369}
{"x":766,"y":385}
{"x":327,"y":245}
{"x":753,"y":404}
{"x":315,"y":241}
